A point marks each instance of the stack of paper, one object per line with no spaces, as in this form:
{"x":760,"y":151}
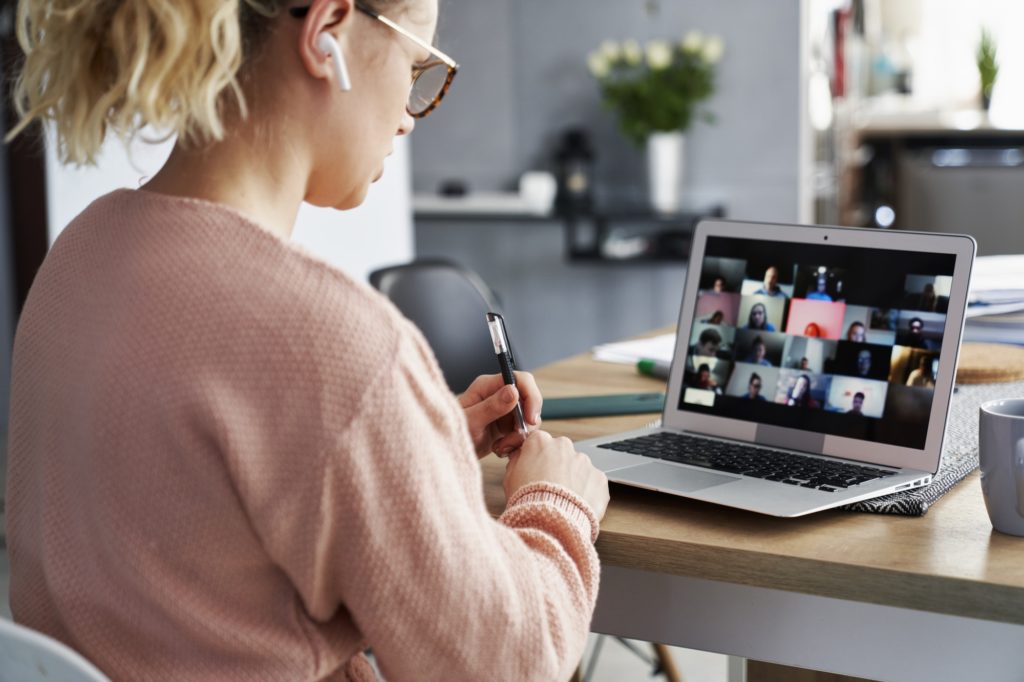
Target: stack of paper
{"x":995,"y":305}
{"x":629,"y":352}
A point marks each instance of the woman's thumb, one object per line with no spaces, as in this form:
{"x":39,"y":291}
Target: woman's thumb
{"x":496,"y":405}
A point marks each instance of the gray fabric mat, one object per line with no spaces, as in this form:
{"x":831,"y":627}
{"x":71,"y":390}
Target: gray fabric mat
{"x":959,"y":452}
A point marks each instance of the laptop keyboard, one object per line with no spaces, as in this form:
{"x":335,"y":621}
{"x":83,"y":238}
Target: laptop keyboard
{"x":750,"y":460}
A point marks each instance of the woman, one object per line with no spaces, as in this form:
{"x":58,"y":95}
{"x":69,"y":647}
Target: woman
{"x":799,"y":394}
{"x":758,"y":318}
{"x":758,"y":353}
{"x":227,"y":459}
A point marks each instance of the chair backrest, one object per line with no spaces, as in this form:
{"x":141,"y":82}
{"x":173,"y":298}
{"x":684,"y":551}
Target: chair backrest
{"x":448,"y":303}
{"x":30,"y":656}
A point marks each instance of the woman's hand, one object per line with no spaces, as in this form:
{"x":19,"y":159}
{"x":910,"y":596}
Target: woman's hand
{"x":555,"y":460}
{"x":488,"y":404}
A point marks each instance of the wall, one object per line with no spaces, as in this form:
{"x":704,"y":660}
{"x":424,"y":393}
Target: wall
{"x":556,"y":309}
{"x":377,"y":233}
{"x":523,"y":80}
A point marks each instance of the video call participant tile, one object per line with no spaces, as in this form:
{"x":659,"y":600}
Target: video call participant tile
{"x":818,"y":319}
{"x":920,"y":330}
{"x":717,"y":308}
{"x":927,"y":293}
{"x":808,"y":354}
{"x":862,"y":360}
{"x":819,"y":283}
{"x":853,"y":396}
{"x":802,"y":389}
{"x":753,"y":382}
{"x":762,"y":313}
{"x":913,"y":367}
{"x":722,"y":274}
{"x":862,"y":324}
{"x":771,"y":279}
{"x":759,"y":347}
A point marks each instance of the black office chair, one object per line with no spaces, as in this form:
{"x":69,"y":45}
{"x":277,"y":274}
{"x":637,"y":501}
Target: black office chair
{"x":447,"y":302}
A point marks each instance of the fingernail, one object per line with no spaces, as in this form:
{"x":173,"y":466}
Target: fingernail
{"x":508,"y":393}
{"x":536,"y":418}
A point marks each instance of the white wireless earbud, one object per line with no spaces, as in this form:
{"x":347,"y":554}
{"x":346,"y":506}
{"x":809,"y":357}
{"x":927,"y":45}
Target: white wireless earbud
{"x":326,"y":43}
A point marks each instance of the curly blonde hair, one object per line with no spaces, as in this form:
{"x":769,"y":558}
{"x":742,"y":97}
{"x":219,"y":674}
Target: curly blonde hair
{"x":92,"y":66}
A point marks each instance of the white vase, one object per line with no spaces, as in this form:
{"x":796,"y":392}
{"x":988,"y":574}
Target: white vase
{"x":665,"y":166}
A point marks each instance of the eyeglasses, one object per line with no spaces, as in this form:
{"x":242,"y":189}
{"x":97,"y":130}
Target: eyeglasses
{"x":430,"y":81}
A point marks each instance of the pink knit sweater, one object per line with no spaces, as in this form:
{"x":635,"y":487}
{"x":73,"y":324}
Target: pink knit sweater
{"x":229,"y":461}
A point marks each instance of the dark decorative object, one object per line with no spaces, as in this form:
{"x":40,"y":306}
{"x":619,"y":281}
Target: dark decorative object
{"x":575,"y":160}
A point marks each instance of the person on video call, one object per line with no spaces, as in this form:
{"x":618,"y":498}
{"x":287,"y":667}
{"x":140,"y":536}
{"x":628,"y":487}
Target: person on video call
{"x":914,"y":336}
{"x":758,"y":318}
{"x":799,"y":394}
{"x":716,"y":317}
{"x":707,"y":344}
{"x":228,"y":459}
{"x":812,"y":330}
{"x":754,"y":388}
{"x":857,"y":404}
{"x":819,"y":293}
{"x":758,"y":351}
{"x":863,"y":364}
{"x":705,"y":379}
{"x":856,"y":332}
{"x":718,"y":286}
{"x":921,"y":376}
{"x":770,"y":285}
{"x":927,"y":300}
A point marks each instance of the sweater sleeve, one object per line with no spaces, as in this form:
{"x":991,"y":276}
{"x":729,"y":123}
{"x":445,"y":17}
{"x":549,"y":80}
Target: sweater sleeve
{"x":399,"y":536}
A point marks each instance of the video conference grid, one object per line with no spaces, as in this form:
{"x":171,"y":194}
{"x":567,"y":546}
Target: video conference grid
{"x":831,"y":339}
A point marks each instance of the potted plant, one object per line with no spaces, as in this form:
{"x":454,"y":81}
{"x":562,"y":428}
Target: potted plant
{"x":988,"y":67}
{"x":654,"y":90}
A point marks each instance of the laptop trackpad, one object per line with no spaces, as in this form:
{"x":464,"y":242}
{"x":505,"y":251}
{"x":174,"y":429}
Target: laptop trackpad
{"x":668,"y":478}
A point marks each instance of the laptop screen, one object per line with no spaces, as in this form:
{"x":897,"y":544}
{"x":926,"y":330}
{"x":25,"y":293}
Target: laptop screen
{"x":832,"y":339}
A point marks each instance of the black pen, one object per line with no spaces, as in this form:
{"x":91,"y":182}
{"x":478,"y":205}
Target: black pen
{"x":506,"y":363}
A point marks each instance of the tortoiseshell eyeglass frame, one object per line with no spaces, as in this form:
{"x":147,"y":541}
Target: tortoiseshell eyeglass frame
{"x":438,"y":58}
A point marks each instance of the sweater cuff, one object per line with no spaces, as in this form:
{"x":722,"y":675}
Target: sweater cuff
{"x":571,"y":505}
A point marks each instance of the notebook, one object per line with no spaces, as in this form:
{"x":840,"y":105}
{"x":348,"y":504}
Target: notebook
{"x":813,"y":368}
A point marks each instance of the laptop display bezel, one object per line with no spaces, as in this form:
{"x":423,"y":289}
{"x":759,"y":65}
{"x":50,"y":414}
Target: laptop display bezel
{"x":962,"y":247}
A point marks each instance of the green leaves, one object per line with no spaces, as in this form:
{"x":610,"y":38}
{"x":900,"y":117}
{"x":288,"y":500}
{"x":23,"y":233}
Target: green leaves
{"x":661,"y":92}
{"x":988,"y":67}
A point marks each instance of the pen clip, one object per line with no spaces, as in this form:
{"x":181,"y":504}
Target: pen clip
{"x":496,"y":325}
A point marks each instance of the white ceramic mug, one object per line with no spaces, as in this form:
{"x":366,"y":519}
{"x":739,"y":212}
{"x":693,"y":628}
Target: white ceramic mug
{"x":1001,"y":451}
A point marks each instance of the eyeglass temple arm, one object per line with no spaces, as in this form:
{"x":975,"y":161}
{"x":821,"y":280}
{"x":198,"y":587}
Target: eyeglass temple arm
{"x":301,"y":12}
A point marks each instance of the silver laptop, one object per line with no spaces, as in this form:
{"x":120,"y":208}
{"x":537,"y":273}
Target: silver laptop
{"x":813,"y":368}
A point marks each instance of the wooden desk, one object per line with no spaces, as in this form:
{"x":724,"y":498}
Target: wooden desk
{"x":939,"y":597}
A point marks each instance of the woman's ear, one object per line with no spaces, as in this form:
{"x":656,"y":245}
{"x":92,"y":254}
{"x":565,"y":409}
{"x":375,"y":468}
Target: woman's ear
{"x":322,"y":37}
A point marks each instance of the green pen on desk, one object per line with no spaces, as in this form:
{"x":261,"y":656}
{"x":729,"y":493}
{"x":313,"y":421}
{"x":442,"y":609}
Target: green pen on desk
{"x":654,"y":368}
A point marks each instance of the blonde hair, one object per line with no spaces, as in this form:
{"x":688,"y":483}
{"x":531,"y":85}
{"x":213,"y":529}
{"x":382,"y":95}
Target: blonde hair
{"x":97,"y":65}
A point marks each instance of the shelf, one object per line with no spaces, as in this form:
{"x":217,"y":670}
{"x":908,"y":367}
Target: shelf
{"x":653,"y":238}
{"x":597,"y":236}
